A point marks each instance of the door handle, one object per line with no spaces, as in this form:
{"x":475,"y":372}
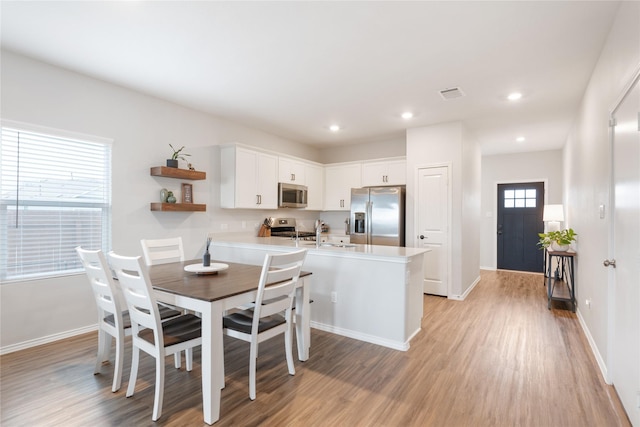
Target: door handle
{"x":422,"y":237}
{"x":608,"y":263}
{"x":499,"y":232}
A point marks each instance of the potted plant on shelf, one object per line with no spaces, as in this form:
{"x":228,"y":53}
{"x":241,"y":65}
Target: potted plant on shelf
{"x":177,"y":154}
{"x":557,"y":240}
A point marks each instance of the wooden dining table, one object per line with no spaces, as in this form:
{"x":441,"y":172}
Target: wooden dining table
{"x":211,"y":295}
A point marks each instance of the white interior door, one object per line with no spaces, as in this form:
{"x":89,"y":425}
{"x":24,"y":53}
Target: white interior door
{"x":626,"y":252}
{"x":433,"y":227}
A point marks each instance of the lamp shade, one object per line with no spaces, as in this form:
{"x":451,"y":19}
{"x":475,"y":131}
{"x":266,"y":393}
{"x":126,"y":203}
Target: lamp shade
{"x":553,"y":213}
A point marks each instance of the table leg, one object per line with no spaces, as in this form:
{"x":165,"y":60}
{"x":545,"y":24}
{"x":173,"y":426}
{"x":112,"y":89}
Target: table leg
{"x":212,"y":363}
{"x":550,"y":279}
{"x":303,"y":314}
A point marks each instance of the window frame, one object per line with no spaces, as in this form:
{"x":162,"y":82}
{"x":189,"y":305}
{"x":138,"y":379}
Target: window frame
{"x":105,"y":206}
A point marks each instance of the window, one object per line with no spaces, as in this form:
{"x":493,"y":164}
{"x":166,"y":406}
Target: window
{"x":55,"y":194}
{"x":521,"y":198}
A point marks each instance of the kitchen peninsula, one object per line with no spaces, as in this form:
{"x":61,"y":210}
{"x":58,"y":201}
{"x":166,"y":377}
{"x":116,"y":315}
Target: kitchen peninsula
{"x":366,"y":292}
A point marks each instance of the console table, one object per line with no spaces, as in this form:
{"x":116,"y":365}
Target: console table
{"x":561,"y":282}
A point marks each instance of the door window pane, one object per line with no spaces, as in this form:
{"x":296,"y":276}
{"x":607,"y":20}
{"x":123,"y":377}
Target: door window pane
{"x":520,"y":198}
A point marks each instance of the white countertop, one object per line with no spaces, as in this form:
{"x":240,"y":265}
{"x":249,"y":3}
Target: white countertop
{"x":355,"y":250}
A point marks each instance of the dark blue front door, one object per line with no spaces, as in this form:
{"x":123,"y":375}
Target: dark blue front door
{"x":520,"y":208}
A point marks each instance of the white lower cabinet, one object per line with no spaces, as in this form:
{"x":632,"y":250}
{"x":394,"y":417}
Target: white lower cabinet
{"x":248,"y":179}
{"x":365,"y":294}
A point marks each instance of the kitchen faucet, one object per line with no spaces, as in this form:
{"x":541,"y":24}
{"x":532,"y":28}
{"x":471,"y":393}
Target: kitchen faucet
{"x":318,"y":231}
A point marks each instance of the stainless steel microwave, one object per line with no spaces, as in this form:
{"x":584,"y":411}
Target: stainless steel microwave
{"x":292,"y":195}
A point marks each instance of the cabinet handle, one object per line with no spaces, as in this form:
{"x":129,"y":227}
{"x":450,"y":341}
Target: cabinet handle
{"x":293,"y":177}
{"x":258,"y":199}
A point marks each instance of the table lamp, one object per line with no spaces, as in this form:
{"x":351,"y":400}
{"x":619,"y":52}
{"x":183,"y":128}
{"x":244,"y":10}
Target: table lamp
{"x":552,"y":216}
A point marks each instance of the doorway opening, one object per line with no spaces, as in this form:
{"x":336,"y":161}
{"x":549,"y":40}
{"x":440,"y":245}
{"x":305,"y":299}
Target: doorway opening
{"x":520,"y":209}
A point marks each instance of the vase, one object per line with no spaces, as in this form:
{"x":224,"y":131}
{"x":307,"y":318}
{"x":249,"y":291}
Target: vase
{"x":555,"y":246}
{"x":163,"y":195}
{"x":171,"y":163}
{"x":171,"y":199}
{"x":206,"y":259}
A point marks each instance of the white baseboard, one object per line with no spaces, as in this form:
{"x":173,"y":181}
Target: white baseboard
{"x":594,"y":348}
{"x":467,"y":292}
{"x":48,"y":339}
{"x":396,"y":345}
{"x":488,"y":268}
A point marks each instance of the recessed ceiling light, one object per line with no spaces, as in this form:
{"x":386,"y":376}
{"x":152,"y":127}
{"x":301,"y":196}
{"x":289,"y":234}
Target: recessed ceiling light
{"x":514,"y":96}
{"x":407,"y":115}
{"x":334,"y":128}
{"x":520,"y":139}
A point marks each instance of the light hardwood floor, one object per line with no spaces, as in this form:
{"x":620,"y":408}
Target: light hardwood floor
{"x":499,"y":358}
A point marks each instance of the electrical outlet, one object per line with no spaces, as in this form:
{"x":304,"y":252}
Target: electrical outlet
{"x":334,"y":296}
{"x":587,"y":303}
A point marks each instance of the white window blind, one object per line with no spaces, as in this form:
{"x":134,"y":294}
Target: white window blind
{"x":55,"y":194}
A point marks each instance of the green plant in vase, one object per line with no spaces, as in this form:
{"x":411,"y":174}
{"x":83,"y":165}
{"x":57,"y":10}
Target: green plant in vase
{"x":177,"y":154}
{"x":557,"y":240}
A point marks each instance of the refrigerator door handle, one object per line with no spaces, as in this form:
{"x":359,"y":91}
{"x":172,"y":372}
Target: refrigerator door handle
{"x":369,"y":221}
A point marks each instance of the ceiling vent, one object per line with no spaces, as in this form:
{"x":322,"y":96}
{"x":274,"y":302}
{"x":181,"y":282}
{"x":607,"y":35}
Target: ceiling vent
{"x":451,"y":93}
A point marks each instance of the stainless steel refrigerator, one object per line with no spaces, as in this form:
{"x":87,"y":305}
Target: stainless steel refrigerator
{"x":377,"y":215}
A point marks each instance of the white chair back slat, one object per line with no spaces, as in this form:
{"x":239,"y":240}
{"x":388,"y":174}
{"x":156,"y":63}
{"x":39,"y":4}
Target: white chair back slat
{"x":137,"y":290}
{"x":104,"y":288}
{"x":162,"y":251}
{"x":280,"y":274}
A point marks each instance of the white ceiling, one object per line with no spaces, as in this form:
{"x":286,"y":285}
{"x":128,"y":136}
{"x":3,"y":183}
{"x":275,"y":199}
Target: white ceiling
{"x":294,"y":68}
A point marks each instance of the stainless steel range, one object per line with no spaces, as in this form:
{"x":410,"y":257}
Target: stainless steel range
{"x":286,"y":227}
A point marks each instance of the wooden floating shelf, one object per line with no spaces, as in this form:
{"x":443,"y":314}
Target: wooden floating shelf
{"x":178,"y":207}
{"x":178,"y":173}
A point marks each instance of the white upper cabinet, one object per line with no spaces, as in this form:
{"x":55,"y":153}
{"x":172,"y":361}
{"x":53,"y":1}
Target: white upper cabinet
{"x":291,"y":171}
{"x":314,"y":175}
{"x":338,"y":182}
{"x":393,"y":172}
{"x":249,"y":179}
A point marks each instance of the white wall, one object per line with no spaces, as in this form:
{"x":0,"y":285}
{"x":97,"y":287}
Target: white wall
{"x":587,"y":171}
{"x":470,"y":205}
{"x":141,"y":128}
{"x":390,"y":147}
{"x":450,"y":143}
{"x":538,"y":166}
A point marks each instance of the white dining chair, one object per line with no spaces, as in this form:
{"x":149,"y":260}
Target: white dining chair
{"x":271,"y":313}
{"x":149,"y":334}
{"x":113,"y":320}
{"x":162,"y":251}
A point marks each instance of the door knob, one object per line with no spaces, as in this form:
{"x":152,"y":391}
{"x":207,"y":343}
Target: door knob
{"x":608,"y":263}
{"x":422,"y":237}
